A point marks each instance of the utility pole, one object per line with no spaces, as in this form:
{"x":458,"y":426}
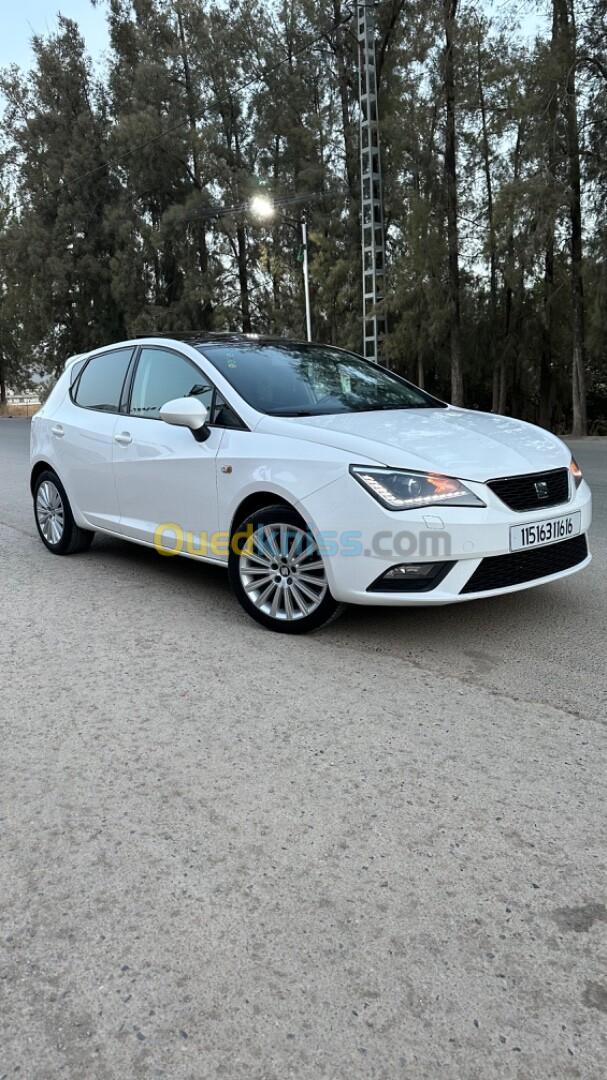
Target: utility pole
{"x":372,"y":211}
{"x":306,"y":274}
{"x":264,"y":209}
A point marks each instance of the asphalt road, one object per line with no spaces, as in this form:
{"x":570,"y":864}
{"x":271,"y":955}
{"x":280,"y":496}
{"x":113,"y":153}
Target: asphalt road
{"x":375,"y":852}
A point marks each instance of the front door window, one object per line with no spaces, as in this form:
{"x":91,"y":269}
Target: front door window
{"x":162,"y":376}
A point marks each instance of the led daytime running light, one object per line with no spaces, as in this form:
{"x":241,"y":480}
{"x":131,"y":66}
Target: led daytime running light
{"x":416,"y":500}
{"x":400,"y":489}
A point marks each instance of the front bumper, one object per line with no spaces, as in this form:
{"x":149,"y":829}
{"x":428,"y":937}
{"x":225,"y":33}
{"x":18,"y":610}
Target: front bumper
{"x":360,"y":540}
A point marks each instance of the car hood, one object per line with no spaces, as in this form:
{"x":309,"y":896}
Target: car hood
{"x":459,"y":442}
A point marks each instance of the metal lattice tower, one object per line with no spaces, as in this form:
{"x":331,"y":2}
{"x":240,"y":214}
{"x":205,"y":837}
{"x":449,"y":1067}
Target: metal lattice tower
{"x":372,"y":211}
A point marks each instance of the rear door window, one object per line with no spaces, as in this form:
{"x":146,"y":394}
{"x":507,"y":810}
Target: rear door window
{"x":99,"y":386}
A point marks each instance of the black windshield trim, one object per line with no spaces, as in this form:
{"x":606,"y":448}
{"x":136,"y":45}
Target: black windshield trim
{"x":297,"y":413}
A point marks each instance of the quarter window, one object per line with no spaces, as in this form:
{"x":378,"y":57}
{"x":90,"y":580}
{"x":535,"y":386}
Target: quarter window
{"x":100,"y":384}
{"x":76,"y":369}
{"x":162,"y":376}
{"x":224,"y":415}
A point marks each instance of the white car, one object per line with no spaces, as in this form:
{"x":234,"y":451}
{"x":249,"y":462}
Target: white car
{"x":316,"y":477}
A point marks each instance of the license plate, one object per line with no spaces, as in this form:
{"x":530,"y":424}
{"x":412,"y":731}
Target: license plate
{"x":536,"y":533}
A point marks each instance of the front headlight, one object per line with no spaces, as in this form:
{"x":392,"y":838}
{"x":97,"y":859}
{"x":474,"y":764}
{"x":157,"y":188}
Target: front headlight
{"x":576,"y":472}
{"x":399,"y":490}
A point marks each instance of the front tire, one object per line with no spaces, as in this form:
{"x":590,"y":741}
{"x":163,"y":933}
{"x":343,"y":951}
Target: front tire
{"x":54,"y":519}
{"x":278,"y":573}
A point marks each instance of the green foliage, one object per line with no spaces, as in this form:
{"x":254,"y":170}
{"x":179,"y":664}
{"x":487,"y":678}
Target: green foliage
{"x":111,"y":188}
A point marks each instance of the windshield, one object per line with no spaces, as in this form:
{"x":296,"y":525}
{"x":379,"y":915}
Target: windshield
{"x":311,"y":380}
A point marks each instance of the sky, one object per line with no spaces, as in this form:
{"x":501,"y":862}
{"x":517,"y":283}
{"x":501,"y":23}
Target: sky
{"x":29,"y":17}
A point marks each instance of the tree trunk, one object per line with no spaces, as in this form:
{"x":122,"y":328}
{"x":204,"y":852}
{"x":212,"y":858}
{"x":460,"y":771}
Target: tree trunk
{"x":566,"y":24}
{"x":546,"y":361}
{"x":507,"y":350}
{"x":421,"y":374}
{"x":519,"y":403}
{"x":495,"y":366}
{"x":545,"y":383}
{"x":276,"y":266}
{"x":2,"y":386}
{"x":343,"y":65}
{"x":243,"y":278}
{"x":201,"y":237}
{"x":457,"y":378}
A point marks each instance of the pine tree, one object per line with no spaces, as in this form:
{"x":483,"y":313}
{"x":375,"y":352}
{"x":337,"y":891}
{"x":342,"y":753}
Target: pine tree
{"x":56,"y":121}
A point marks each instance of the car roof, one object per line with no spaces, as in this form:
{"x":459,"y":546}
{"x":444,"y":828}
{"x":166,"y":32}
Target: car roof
{"x":228,"y":337}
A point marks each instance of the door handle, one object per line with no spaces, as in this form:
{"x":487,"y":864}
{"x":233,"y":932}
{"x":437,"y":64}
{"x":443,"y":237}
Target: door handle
{"x":124,"y":438}
{"x":58,"y":431}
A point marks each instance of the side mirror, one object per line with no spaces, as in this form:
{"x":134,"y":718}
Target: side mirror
{"x":185,"y":412}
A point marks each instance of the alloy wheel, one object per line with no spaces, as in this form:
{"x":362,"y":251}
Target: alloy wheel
{"x":282,"y":572}
{"x":50,"y":512}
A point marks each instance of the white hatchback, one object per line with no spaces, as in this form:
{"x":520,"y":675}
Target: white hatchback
{"x":316,"y":477}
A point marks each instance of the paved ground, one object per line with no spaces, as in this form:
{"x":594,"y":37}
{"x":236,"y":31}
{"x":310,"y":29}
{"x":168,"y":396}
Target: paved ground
{"x":376,"y":852}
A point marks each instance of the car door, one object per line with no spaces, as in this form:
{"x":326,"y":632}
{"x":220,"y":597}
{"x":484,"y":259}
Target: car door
{"x":165,"y":478}
{"x":82,"y":433}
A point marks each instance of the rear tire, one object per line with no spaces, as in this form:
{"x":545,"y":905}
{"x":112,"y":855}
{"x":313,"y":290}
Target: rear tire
{"x":279,"y":575}
{"x":54,"y":519}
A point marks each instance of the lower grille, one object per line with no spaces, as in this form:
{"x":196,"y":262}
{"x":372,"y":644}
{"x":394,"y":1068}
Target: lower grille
{"x":534,"y":491}
{"x":438,"y":571}
{"x":499,"y":571}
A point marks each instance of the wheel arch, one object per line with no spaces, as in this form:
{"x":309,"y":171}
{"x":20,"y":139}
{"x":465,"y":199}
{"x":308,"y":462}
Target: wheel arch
{"x":37,"y":470}
{"x":258,"y":500}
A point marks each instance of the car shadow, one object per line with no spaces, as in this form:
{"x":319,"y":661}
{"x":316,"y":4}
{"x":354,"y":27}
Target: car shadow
{"x":473,"y":628}
{"x":531,"y":623}
{"x":166,"y":567}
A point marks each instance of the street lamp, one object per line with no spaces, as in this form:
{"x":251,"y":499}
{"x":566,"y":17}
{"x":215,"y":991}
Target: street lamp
{"x":263,"y":208}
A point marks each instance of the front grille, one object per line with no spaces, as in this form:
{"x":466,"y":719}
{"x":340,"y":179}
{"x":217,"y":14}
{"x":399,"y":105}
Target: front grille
{"x":499,"y":571}
{"x":534,"y":491}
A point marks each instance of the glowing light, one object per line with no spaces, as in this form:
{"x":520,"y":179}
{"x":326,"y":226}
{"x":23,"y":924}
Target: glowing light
{"x":262,"y":207}
{"x":576,"y":472}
